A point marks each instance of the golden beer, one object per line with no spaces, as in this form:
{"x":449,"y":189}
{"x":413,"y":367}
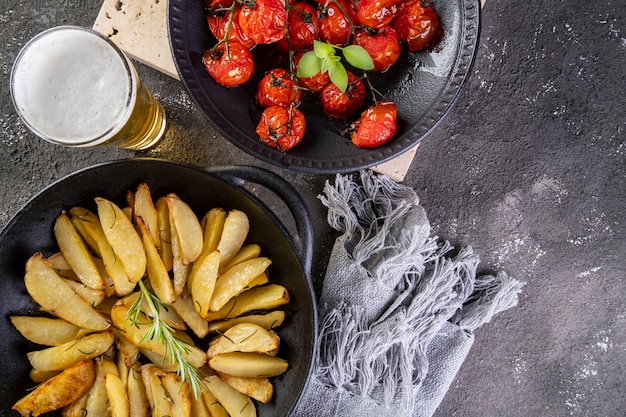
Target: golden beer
{"x":72,"y":86}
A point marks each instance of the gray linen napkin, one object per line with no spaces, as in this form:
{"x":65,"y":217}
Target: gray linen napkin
{"x":398,"y":307}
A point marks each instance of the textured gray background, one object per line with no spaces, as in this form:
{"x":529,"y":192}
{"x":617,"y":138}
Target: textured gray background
{"x":529,"y":169}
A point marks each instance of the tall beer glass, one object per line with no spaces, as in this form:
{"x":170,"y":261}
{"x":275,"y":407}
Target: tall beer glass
{"x":72,"y":86}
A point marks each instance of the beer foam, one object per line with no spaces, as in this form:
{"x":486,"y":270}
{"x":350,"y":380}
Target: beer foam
{"x":71,"y":86}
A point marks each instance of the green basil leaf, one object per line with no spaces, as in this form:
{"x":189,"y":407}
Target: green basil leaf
{"x":309,"y":65}
{"x":323,"y":49}
{"x":358,"y":57}
{"x":339,"y":76}
{"x":326,"y":64}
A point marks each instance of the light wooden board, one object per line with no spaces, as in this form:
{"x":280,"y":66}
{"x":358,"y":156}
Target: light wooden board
{"x":139,"y":28}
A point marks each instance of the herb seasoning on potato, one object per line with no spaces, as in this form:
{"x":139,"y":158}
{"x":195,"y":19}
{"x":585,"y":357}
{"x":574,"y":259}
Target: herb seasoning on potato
{"x":130,"y":292}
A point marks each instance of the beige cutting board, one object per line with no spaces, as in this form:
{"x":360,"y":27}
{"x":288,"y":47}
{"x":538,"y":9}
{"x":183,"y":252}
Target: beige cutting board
{"x":139,"y":28}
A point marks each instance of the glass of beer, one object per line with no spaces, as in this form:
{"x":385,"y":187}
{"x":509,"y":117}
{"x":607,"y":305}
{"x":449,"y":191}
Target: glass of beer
{"x":74,"y":87}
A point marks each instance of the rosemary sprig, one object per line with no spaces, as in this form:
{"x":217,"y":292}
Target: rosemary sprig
{"x":175,"y":348}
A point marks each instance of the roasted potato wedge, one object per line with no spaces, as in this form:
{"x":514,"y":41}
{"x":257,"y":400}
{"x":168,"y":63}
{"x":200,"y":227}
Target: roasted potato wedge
{"x":40,"y":376}
{"x":236,"y":403}
{"x":162,"y":405}
{"x":212,"y":227}
{"x":45,"y":331}
{"x":258,"y":281}
{"x":58,"y":391}
{"x":213,"y":406}
{"x":76,"y":254}
{"x":76,"y":408}
{"x":97,"y":403}
{"x":126,"y":350}
{"x":123,"y":238}
{"x":143,"y":206}
{"x":244,"y":337}
{"x":59,"y":264}
{"x":236,"y":228}
{"x":180,"y":269}
{"x":266,"y":297}
{"x":56,"y":297}
{"x":147,"y":372}
{"x":268,"y":321}
{"x":187,"y":228}
{"x":109,"y":285}
{"x":117,"y":396}
{"x":113,"y":265}
{"x":236,"y":279}
{"x":137,"y":397}
{"x":120,"y":362}
{"x":261,"y":389}
{"x":246,"y":253}
{"x":157,"y":273}
{"x":87,"y":238}
{"x":179,"y":392}
{"x":204,"y":276}
{"x":165,"y":233}
{"x":91,"y":296}
{"x":248,"y":365}
{"x":185,"y":308}
{"x":163,"y":363}
{"x":198,"y":407}
{"x":130,"y":200}
{"x":69,"y":354}
{"x":234,"y":234}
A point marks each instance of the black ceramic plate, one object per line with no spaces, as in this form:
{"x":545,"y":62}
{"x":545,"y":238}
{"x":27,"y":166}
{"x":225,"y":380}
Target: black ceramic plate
{"x":424,"y":86}
{"x":31,"y":230}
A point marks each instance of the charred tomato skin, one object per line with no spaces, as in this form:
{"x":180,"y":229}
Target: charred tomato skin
{"x":343,"y":105}
{"x":281,"y":128}
{"x":218,"y":22}
{"x":418,"y":26}
{"x":302,"y":27}
{"x":382,"y":45}
{"x":335,"y":22}
{"x":377,"y":125}
{"x":230,"y":66}
{"x":264,"y":21}
{"x":376,"y":13}
{"x":277,"y":88}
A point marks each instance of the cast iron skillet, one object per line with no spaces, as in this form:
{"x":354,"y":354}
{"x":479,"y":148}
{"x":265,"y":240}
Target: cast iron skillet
{"x":424,"y":86}
{"x":31,"y":230}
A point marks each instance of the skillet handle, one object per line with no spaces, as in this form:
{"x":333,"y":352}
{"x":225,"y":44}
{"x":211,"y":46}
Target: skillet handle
{"x":303,"y":242}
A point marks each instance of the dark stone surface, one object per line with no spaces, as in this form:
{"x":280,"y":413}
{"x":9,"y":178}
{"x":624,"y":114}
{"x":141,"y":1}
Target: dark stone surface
{"x":528,"y":169}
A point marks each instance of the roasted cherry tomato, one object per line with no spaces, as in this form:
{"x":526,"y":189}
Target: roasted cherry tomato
{"x":376,"y":126}
{"x":382,"y":45}
{"x":335,"y":22}
{"x":343,"y":105}
{"x":314,"y":83}
{"x":302,"y":27}
{"x":277,"y":88}
{"x":281,"y":127}
{"x":417,"y":25}
{"x":264,"y":21}
{"x":375,"y":13}
{"x":229,"y":64}
{"x":218,"y":24}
